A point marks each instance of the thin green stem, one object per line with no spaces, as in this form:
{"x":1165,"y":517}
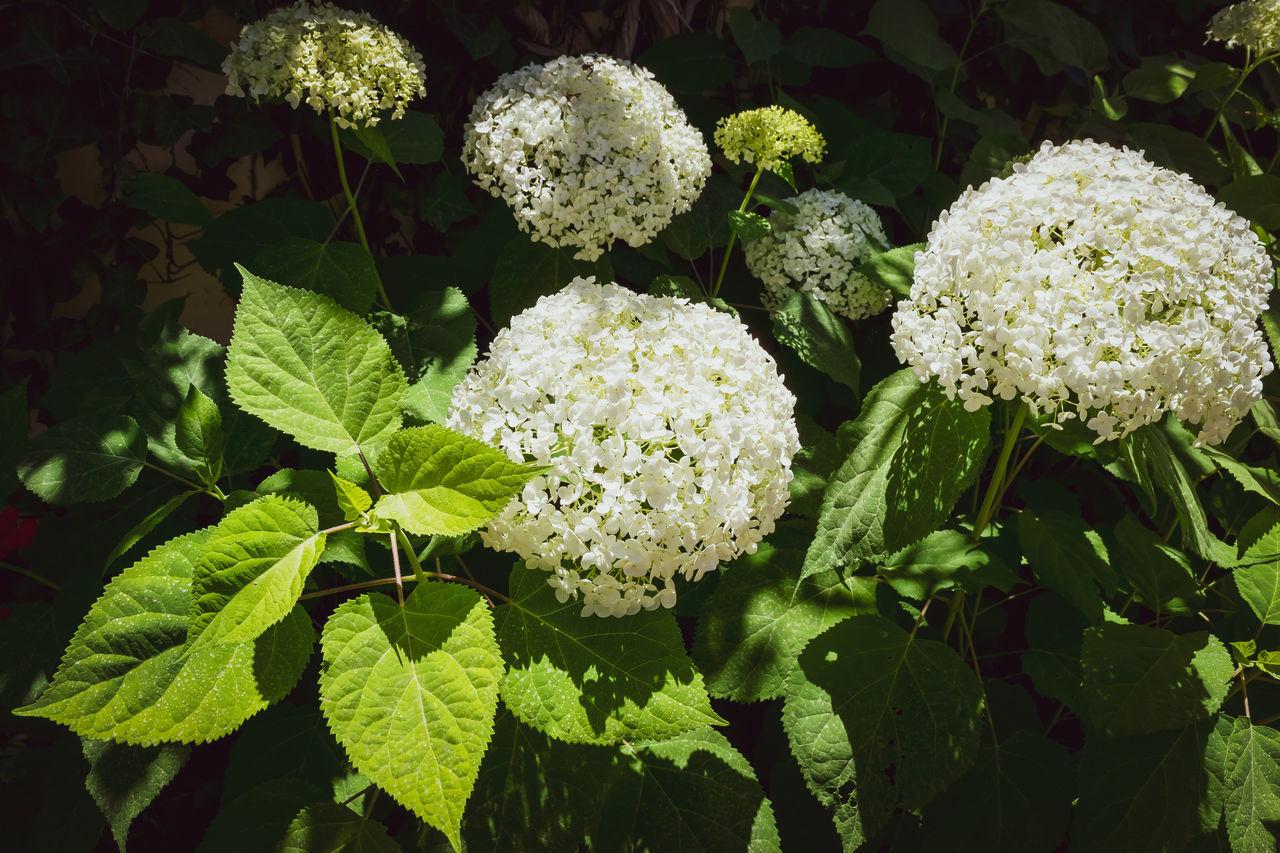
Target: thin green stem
{"x":351,"y":587}
{"x":920,"y":619}
{"x":34,"y":576}
{"x":733,"y":235}
{"x":336,"y":528}
{"x":996,"y":487}
{"x":955,"y":78}
{"x":395,"y":564}
{"x":1222,"y":105}
{"x":355,"y":211}
{"x":409,"y":552}
{"x":195,"y":487}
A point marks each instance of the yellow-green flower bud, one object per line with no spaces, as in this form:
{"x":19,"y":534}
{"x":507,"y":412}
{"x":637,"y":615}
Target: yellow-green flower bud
{"x":769,"y":137}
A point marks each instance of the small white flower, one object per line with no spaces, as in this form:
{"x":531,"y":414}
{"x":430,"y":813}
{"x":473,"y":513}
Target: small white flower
{"x":331,"y":58}
{"x":1093,"y":284}
{"x":586,"y":150}
{"x":674,"y":436}
{"x":1254,"y":24}
{"x":816,"y":249}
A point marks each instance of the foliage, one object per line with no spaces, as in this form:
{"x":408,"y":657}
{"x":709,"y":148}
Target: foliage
{"x":232,"y":333}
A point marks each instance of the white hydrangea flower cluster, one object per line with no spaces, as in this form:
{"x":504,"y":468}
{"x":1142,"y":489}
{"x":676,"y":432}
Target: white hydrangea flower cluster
{"x":1254,"y":24}
{"x":586,"y":150}
{"x":1093,"y":284}
{"x":667,"y":428}
{"x":331,"y":58}
{"x":816,"y":249}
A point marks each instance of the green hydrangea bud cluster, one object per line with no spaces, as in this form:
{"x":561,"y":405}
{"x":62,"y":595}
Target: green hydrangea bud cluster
{"x":1254,"y":24}
{"x":333,"y":59}
{"x":769,"y":137}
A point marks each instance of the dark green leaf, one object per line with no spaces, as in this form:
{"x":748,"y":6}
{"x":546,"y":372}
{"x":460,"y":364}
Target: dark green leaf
{"x":1069,"y":558}
{"x":331,"y":828}
{"x":894,"y":269}
{"x":528,"y":270}
{"x":1139,"y":680}
{"x":142,"y":528}
{"x":1161,"y":576}
{"x":695,"y":62}
{"x":120,"y":14}
{"x":413,"y":139}
{"x":342,"y":271}
{"x":243,"y":232}
{"x":1181,"y":151}
{"x":83,"y":460}
{"x":819,"y":337}
{"x":1252,"y":776}
{"x":939,"y":561}
{"x":198,"y":434}
{"x":1161,"y":79}
{"x":909,"y":27}
{"x":748,"y":226}
{"x":826,"y":48}
{"x":758,"y":40}
{"x":172,"y":37}
{"x":592,"y":679}
{"x":1255,"y":197}
{"x":123,"y":780}
{"x":435,"y":344}
{"x":165,"y":198}
{"x":1065,"y":36}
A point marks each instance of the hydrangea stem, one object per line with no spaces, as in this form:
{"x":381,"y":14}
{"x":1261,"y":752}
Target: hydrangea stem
{"x":728,"y":250}
{"x":1244,"y":73}
{"x":997,"y":486}
{"x":409,"y":552}
{"x":351,"y":206}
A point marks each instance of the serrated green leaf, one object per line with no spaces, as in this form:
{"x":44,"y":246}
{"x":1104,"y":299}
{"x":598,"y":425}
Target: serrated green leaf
{"x":1160,"y":79}
{"x":879,"y":719}
{"x":695,"y":791}
{"x":165,"y":198}
{"x":894,"y":269}
{"x":123,"y":779}
{"x":1161,"y":575}
{"x":758,"y":40}
{"x":1139,"y":680}
{"x":819,"y":337}
{"x":1259,"y":586}
{"x":1016,"y":798}
{"x":312,"y":369}
{"x":437,"y":481}
{"x":761,"y":614}
{"x":251,"y":570}
{"x":84,"y":459}
{"x":595,"y":680}
{"x":410,"y":692}
{"x":198,"y":434}
{"x":330,"y":828}
{"x":142,"y":528}
{"x":1252,"y":776}
{"x":526,"y":270}
{"x":937,"y":562}
{"x":1259,"y":481}
{"x":125,"y":675}
{"x":243,"y":232}
{"x":173,"y":363}
{"x":435,"y":343}
{"x":413,"y":139}
{"x":1145,"y":793}
{"x":748,"y":226}
{"x":1259,"y":539}
{"x":914,"y":452}
{"x":317,"y":488}
{"x":344,"y":272}
{"x":1069,"y":558}
{"x":352,"y":500}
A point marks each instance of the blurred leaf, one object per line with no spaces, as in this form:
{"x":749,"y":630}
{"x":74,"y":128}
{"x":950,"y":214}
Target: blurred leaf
{"x":1068,"y":557}
{"x":826,"y":48}
{"x":1160,"y":79}
{"x":909,"y":27}
{"x":172,"y":37}
{"x":331,"y":828}
{"x":694,"y":62}
{"x":758,"y":40}
{"x":165,"y":198}
{"x":120,"y":15}
{"x":1064,"y":35}
{"x":1256,"y":197}
{"x":83,"y":460}
{"x":13,"y":435}
{"x":244,"y":232}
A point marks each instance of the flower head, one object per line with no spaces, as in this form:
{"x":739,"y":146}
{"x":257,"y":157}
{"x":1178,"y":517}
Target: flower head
{"x":1254,"y":24}
{"x":586,"y":150}
{"x":769,"y":137}
{"x":1094,"y":284}
{"x":816,"y":249}
{"x":331,"y":58}
{"x":667,"y":428}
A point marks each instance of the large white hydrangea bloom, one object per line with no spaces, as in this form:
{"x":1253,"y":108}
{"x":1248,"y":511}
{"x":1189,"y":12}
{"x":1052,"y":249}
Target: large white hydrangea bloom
{"x":667,"y":428}
{"x":1093,"y":284}
{"x":1254,"y":24}
{"x":332,"y":59}
{"x":816,"y":249}
{"x":586,"y":150}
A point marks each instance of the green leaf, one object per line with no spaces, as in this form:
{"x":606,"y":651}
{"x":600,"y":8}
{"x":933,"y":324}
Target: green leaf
{"x":695,"y":792}
{"x":1259,"y":539}
{"x":176,"y":38}
{"x":436,"y":480}
{"x":595,"y":680}
{"x":1068,"y":38}
{"x":198,"y":434}
{"x":748,"y":226}
{"x":819,"y":337}
{"x":1255,"y":197}
{"x":410,"y":692}
{"x":175,"y":362}
{"x":84,"y":459}
{"x":1145,"y":793}
{"x":435,"y":343}
{"x":1252,"y":775}
{"x":761,"y":614}
{"x":826,"y":48}
{"x":526,"y":270}
{"x":1069,"y":558}
{"x":878,"y":163}
{"x":758,"y":40}
{"x":1169,"y":467}
{"x":317,"y":488}
{"x":165,"y":198}
{"x":123,"y":780}
{"x":142,"y":528}
{"x":13,"y":435}
{"x":694,"y":62}
{"x":894,"y":269}
{"x":914,"y":452}
{"x":352,"y":500}
{"x":251,"y":570}
{"x":1161,"y":575}
{"x":987,"y":159}
{"x":312,"y":369}
{"x":1182,"y":151}
{"x":1054,"y":631}
{"x":245,"y":231}
{"x":1139,"y":680}
{"x":120,"y":14}
{"x":344,"y":272}
{"x":879,"y":719}
{"x":331,"y":828}
{"x":413,"y":139}
{"x":126,"y":675}
{"x":1160,"y":79}
{"x":1016,"y":797}
{"x":1259,"y":481}
{"x":937,"y":562}
{"x":908,"y":27}
{"x":1259,"y":586}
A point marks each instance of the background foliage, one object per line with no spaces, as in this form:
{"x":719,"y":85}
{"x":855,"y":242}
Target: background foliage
{"x":1097,"y":672}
